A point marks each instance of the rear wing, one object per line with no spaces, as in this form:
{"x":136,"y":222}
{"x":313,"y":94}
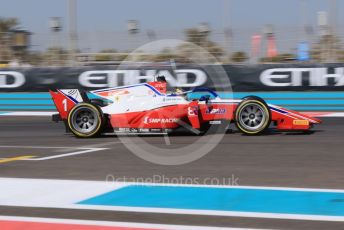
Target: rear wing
{"x":66,"y":99}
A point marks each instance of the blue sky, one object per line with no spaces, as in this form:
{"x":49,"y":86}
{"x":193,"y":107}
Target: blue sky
{"x":111,"y":15}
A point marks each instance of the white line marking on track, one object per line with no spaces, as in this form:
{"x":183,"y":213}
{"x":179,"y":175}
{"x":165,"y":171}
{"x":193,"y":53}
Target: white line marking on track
{"x":341,"y":114}
{"x":38,"y":192}
{"x":34,"y":180}
{"x":80,"y":150}
{"x":111,"y":223}
{"x":102,"y":144}
{"x":28,"y":113}
{"x":66,"y":154}
{"x":66,"y":194}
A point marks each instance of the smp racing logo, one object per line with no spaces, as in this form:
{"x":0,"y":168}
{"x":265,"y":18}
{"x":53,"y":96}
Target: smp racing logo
{"x":148,"y":120}
{"x":215,"y":111}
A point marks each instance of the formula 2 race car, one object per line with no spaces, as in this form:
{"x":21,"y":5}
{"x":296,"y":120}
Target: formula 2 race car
{"x":148,"y":109}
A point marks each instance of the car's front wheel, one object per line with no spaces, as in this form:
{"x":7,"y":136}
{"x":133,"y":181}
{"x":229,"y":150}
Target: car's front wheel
{"x":252,"y":116}
{"x":85,"y":120}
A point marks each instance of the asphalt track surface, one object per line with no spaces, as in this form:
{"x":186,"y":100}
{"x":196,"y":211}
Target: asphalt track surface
{"x":277,"y":159}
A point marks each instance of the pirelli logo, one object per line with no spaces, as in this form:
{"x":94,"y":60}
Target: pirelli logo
{"x":300,"y":122}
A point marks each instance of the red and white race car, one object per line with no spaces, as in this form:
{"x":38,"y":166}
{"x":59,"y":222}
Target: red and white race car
{"x":148,"y":109}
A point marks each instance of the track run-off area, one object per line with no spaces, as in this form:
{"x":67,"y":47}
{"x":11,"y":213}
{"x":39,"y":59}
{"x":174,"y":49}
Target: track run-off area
{"x":52,"y":180}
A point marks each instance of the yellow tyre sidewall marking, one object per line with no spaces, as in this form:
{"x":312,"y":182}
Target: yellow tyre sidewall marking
{"x":247,"y":102}
{"x":81,"y":134}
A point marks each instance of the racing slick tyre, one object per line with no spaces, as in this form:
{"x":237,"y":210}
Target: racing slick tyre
{"x":252,"y":116}
{"x":85,"y":120}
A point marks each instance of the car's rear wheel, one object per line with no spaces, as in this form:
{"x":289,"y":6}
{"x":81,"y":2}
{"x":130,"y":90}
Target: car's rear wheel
{"x":85,"y":120}
{"x":252,"y":116}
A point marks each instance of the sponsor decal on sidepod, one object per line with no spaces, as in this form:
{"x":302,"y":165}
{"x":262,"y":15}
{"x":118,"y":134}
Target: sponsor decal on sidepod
{"x":148,"y":120}
{"x":216,"y":111}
